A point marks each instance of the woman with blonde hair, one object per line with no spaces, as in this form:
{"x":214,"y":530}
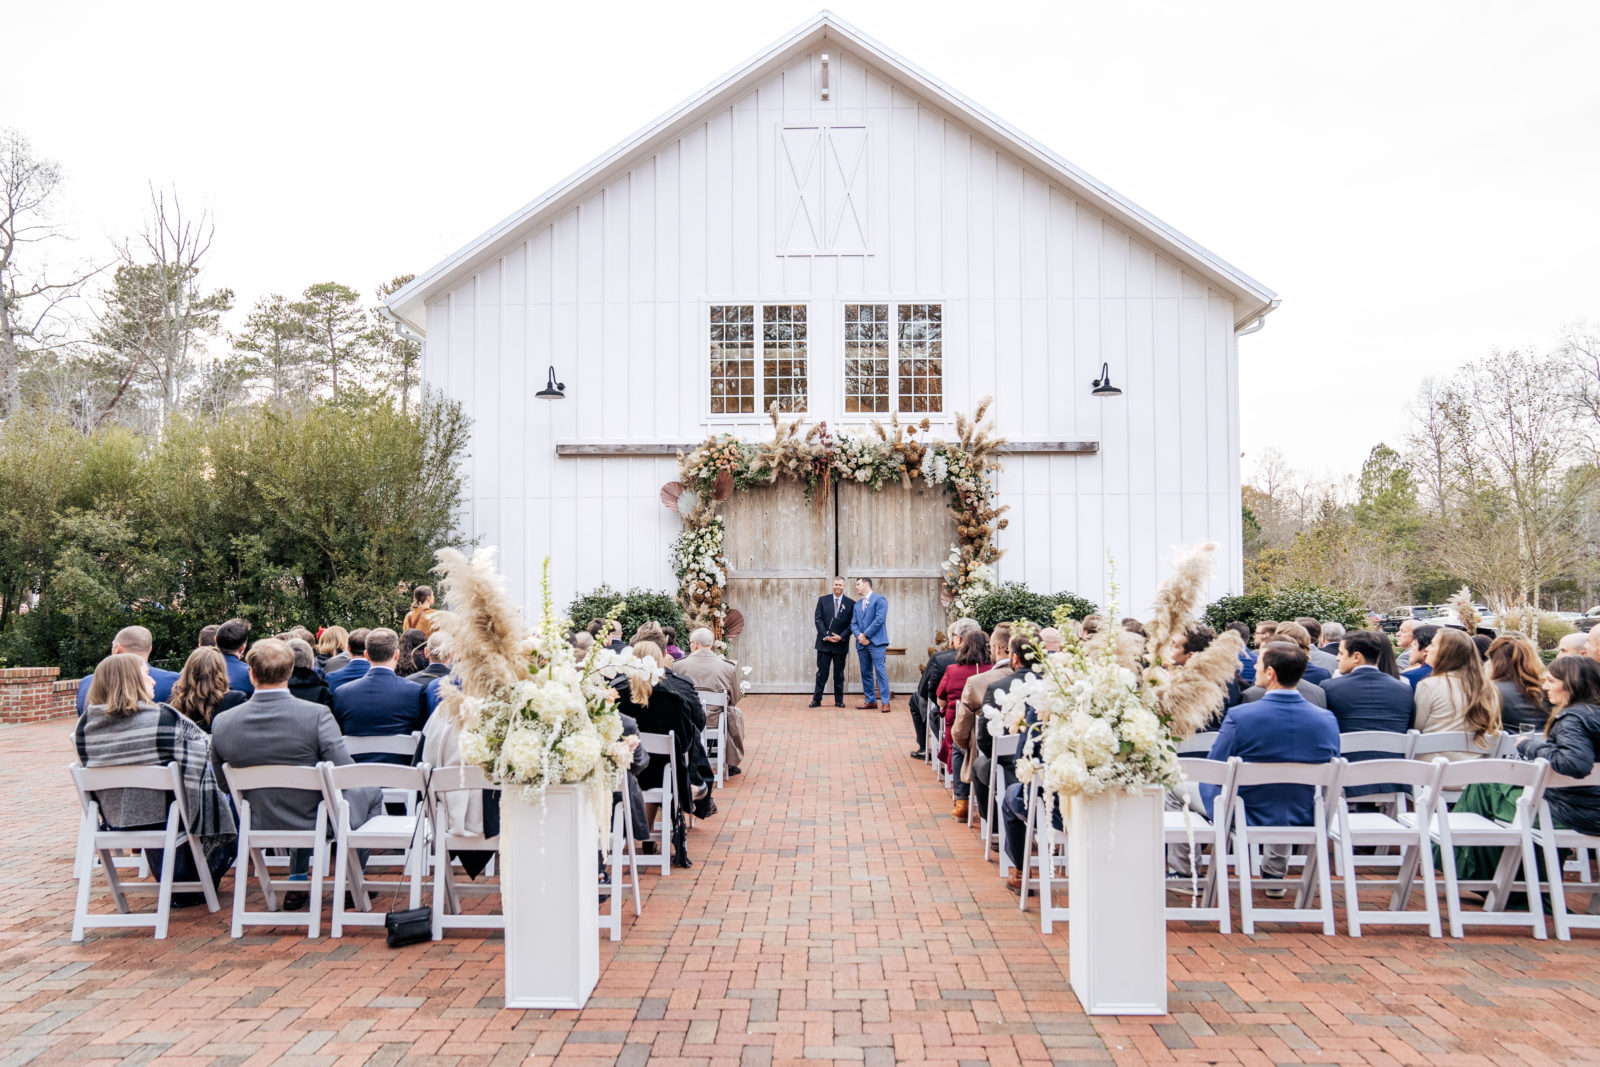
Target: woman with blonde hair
{"x":334,"y":642}
{"x":1456,"y":695}
{"x":123,"y":726}
{"x":669,"y":705}
{"x":1516,"y":671}
{"x":201,"y":692}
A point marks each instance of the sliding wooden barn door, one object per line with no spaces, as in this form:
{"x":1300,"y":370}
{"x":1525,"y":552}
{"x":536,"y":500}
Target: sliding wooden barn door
{"x":780,"y":550}
{"x":899,"y":538}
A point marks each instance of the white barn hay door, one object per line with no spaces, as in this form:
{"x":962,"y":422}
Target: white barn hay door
{"x":780,"y":550}
{"x":899,"y":538}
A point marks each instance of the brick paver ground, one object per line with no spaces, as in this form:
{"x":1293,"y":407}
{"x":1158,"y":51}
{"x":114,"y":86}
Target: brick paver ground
{"x":834,"y":912}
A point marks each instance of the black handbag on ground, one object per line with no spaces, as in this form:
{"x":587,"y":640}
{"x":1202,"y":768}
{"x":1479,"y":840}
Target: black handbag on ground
{"x":408,"y":925}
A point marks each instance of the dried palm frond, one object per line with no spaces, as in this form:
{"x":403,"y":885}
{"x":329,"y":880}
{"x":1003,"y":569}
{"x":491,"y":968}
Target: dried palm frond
{"x":489,"y":640}
{"x":1461,"y":601}
{"x":1196,"y":691}
{"x":1179,"y":599}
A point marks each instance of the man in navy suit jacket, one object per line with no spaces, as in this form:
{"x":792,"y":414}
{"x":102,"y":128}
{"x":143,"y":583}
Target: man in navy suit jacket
{"x":381,"y":702}
{"x":1364,"y":698}
{"x":1281,"y":727}
{"x":135,"y":640}
{"x":359,"y":663}
{"x":231,"y":639}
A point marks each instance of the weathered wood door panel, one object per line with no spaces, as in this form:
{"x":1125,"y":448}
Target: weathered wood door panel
{"x":899,"y":538}
{"x":780,"y":550}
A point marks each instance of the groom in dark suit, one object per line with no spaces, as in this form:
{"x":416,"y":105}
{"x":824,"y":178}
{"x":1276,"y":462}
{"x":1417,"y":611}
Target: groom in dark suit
{"x":832,"y":619}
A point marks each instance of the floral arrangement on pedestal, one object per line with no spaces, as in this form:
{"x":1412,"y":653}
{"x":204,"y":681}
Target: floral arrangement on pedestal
{"x":874,"y":456}
{"x":532,"y":714}
{"x":1110,"y":708}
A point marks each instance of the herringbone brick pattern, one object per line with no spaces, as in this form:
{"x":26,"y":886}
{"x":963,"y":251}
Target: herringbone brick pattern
{"x":834,"y":912}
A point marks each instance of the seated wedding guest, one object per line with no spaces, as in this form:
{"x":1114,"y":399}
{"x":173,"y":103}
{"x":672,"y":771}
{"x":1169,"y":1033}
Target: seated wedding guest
{"x":1247,"y":659}
{"x":671,"y":647}
{"x":1313,"y":693}
{"x":1092,"y":624}
{"x":298,"y":631}
{"x":1050,"y":639}
{"x":971,"y":659}
{"x":617,"y":644}
{"x":1571,"y":645}
{"x":356,"y":642}
{"x":710,"y":673}
{"x":208,"y":636}
{"x":1591,"y":647}
{"x":650,"y":631}
{"x":1281,"y":727}
{"x":1315,"y":673}
{"x":135,"y":641}
{"x":305,"y":683}
{"x":1134,"y":626}
{"x":924,"y":701}
{"x":405,"y":661}
{"x":583,"y":641}
{"x":470,"y":811}
{"x":439,"y":656}
{"x":420,"y":617}
{"x":1316,"y":656}
{"x":433,"y":667}
{"x":1421,"y":638}
{"x":1195,"y":639}
{"x":124,"y":726}
{"x":1332,"y":634}
{"x":1456,"y":696}
{"x":274,"y":727}
{"x":1265,"y":629}
{"x":1518,"y":673}
{"x":985,"y":769}
{"x":380,"y":703}
{"x":333,"y":649}
{"x":1406,"y":638}
{"x":970,"y":729}
{"x":669,"y":707}
{"x":231,"y":638}
{"x":1569,"y":740}
{"x":1363,"y":697}
{"x":201,"y":692}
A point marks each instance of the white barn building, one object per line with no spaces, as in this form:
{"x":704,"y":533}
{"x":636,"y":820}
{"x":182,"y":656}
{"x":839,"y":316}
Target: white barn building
{"x":825,"y":184}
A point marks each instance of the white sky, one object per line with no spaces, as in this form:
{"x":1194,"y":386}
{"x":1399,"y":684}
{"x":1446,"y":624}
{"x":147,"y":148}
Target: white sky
{"x":1420,"y":182}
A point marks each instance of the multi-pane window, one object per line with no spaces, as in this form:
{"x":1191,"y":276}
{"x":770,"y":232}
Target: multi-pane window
{"x":751,"y":366}
{"x":783,"y":357}
{"x":866,"y":358}
{"x":893,"y":358}
{"x":733,"y":359}
{"x":921,"y":357}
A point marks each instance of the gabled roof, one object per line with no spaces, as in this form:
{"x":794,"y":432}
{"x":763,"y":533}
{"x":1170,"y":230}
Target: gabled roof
{"x":1252,"y":299}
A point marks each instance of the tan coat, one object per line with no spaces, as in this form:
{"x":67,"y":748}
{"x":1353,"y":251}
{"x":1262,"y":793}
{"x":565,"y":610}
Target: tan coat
{"x":1442,"y":708}
{"x":710,"y":673}
{"x":969,"y":715}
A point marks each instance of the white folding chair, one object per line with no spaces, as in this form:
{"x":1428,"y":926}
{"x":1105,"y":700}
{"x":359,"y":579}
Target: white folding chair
{"x":1050,"y":853}
{"x":407,"y":745}
{"x":1323,"y":779}
{"x":1197,"y":744}
{"x":254,"y":840}
{"x":92,"y":781}
{"x":1465,"y":829}
{"x":406,"y":833}
{"x":1353,"y":829}
{"x":1190,"y":827}
{"x":621,"y":855}
{"x":1552,"y":839}
{"x":989,"y":826}
{"x":715,"y":737}
{"x":448,"y":913}
{"x":661,"y":795}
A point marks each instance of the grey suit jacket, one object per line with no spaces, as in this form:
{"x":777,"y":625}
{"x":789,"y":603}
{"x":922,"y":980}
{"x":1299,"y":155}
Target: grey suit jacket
{"x":274,"y":726}
{"x":1310,"y":690}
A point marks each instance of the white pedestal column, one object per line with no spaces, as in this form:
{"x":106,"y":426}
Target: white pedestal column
{"x":1117,"y":939}
{"x":549,"y":891}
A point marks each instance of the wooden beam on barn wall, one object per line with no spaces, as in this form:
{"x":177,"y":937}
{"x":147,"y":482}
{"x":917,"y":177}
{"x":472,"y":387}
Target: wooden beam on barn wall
{"x":659,"y":448}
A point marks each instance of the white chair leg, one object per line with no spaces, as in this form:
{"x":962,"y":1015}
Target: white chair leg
{"x":1530,"y":874}
{"x":1558,"y":893}
{"x":336,"y":919}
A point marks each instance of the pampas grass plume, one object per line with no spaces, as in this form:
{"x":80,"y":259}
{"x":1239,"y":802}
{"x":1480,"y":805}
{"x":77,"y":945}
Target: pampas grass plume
{"x":489,"y":640}
{"x":1199,"y":688}
{"x":1180,"y":597}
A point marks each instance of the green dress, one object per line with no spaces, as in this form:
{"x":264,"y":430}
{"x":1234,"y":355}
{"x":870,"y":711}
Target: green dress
{"x":1492,"y":800}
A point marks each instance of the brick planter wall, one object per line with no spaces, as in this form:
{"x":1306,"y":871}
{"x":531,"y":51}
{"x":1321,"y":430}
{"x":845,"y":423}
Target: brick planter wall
{"x":34,"y":694}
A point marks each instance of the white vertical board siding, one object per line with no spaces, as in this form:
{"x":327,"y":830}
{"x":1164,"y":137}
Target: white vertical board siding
{"x":1038,"y":290}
